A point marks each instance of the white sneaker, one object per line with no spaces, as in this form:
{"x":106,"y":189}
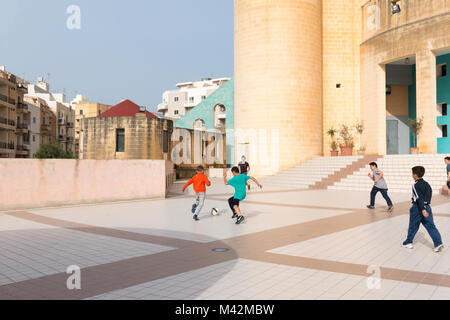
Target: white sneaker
{"x":439,"y":248}
{"x":408,"y":246}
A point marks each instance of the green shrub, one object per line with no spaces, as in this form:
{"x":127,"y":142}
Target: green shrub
{"x":52,"y":151}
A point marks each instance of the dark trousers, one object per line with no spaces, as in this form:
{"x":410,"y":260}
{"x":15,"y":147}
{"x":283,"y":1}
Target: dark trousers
{"x":233,"y":202}
{"x":416,"y":218}
{"x":374,"y":192}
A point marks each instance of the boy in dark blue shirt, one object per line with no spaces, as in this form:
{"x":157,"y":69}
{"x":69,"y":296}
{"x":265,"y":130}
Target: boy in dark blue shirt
{"x":420,"y":211}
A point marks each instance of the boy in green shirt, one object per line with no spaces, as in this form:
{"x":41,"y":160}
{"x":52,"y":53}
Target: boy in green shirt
{"x":239,"y":182}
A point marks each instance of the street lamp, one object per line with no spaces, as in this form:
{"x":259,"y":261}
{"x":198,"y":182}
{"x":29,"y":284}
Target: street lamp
{"x":395,"y":7}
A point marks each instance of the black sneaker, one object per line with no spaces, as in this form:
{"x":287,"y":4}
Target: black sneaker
{"x":196,"y":217}
{"x":240,"y":220}
{"x":371,"y":207}
{"x":390,"y":209}
{"x":234,"y":216}
{"x":194,"y":207}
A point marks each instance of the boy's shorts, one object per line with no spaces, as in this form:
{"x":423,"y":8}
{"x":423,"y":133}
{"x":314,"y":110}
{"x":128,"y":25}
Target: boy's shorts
{"x":233,"y":202}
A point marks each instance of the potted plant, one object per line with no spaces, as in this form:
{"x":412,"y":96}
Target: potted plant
{"x":347,"y":143}
{"x":334,"y":149}
{"x":361,"y":151}
{"x":334,"y":146}
{"x":415,"y":126}
{"x":359,"y":127}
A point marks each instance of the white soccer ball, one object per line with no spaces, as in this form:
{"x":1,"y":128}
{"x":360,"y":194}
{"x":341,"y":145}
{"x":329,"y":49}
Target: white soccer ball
{"x":214,"y":211}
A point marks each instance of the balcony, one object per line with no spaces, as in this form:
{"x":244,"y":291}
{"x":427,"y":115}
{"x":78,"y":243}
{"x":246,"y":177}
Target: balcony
{"x":61,"y":137}
{"x":163,"y":107}
{"x":22,"y":150}
{"x":61,"y":122}
{"x":22,"y":128}
{"x":7,"y":124}
{"x":69,"y":124}
{"x":3,"y":98}
{"x":21,"y":107}
{"x":7,"y":148}
{"x":45,"y":127}
{"x":12,"y":101}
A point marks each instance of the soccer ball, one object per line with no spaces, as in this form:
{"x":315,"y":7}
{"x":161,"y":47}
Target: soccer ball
{"x":214,"y":211}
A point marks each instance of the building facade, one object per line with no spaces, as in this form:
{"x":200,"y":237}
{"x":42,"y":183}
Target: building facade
{"x":124,"y":132}
{"x":215,"y":114}
{"x":313,"y":65}
{"x":34,"y":136}
{"x":177,"y":103}
{"x":14,"y":117}
{"x":47,"y":119}
{"x":65,"y":115}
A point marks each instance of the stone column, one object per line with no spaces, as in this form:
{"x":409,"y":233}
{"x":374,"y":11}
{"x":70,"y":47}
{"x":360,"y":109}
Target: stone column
{"x":426,"y":100}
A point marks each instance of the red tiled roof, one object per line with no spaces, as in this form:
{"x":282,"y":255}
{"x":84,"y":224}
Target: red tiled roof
{"x":126,"y":108}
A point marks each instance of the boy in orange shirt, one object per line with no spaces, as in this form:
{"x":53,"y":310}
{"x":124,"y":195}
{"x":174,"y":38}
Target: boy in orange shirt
{"x":200,"y":181}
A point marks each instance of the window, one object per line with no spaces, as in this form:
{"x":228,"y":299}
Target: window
{"x":191,"y":99}
{"x":165,"y":141}
{"x":175,"y":112}
{"x":120,"y":140}
{"x":34,"y":119}
{"x":175,"y":99}
{"x":81,"y":112}
{"x":442,"y":109}
{"x":444,"y":131}
{"x":34,"y":138}
{"x":203,"y":97}
{"x":441,"y":70}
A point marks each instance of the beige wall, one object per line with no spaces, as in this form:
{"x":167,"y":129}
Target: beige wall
{"x":278,"y":78}
{"x":143,"y":138}
{"x":397,"y":101}
{"x":39,"y":183}
{"x":341,"y":65}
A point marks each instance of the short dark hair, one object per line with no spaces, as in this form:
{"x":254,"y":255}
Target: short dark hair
{"x":373,"y":164}
{"x":235,"y":170}
{"x":447,"y":158}
{"x":200,"y":168}
{"x":419,"y":171}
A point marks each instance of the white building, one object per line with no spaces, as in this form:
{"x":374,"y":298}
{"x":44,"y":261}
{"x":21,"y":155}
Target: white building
{"x":35,"y":128}
{"x":176,"y":103}
{"x":65,"y":114}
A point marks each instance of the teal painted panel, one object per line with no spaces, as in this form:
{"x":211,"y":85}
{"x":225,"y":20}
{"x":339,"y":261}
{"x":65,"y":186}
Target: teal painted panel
{"x":443,"y":96}
{"x":443,"y":145}
{"x":441,"y":121}
{"x":205,"y":111}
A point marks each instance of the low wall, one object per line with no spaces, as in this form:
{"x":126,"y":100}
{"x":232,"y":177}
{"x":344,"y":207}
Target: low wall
{"x":27,"y":183}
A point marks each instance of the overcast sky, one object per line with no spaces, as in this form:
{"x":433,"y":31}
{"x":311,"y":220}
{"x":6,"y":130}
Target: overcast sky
{"x":133,"y":49}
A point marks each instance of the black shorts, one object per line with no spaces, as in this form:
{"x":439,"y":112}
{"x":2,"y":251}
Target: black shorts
{"x":233,"y":202}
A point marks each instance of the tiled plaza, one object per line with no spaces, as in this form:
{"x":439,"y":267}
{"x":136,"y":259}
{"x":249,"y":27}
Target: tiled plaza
{"x":295,"y":244}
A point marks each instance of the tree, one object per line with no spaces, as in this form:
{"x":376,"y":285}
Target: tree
{"x":52,"y":151}
{"x":416,"y":127}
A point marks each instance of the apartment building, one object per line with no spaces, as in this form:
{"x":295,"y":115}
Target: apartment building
{"x":63,"y":112}
{"x":14,"y":116}
{"x":46,"y":122}
{"x":176,"y":103}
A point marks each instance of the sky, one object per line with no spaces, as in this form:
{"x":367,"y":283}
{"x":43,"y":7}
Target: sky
{"x":125,"y":49}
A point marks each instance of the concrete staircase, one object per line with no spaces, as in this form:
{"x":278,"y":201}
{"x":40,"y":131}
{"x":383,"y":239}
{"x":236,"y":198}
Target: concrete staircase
{"x":397,"y":171}
{"x":314,"y":173}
